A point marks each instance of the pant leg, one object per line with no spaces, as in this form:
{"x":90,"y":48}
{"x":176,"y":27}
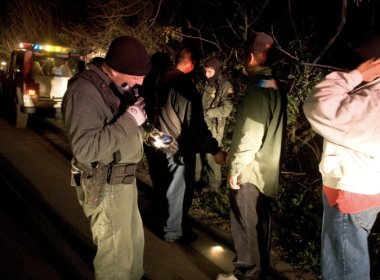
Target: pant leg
{"x":189,"y":160}
{"x":175,"y":196}
{"x":251,"y":231}
{"x":159,"y":174}
{"x":345,"y":243}
{"x":213,"y":172}
{"x":117,"y":232}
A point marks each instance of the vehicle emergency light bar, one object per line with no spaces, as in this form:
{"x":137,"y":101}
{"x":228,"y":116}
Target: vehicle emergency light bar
{"x":47,"y":48}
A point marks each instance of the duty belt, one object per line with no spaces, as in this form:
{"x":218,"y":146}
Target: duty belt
{"x":121,"y":173}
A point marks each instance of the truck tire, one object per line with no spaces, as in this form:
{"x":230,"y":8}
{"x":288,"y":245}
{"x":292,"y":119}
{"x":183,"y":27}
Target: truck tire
{"x":21,"y":118}
{"x":8,"y":105}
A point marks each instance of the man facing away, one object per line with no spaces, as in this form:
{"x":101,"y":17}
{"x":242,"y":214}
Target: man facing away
{"x":216,"y":94}
{"x":344,"y":109}
{"x":254,"y":164}
{"x":181,"y":116}
{"x":104,"y":133}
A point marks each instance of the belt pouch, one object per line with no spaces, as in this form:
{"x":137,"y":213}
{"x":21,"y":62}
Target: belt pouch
{"x":122,"y":173}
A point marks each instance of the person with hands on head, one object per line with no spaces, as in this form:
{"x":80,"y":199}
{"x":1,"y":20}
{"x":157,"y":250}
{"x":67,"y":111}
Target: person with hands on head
{"x":103,"y":126}
{"x":254,"y":163}
{"x":344,"y":108}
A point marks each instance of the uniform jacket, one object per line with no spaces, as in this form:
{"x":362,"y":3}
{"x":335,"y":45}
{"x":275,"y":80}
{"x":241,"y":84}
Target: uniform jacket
{"x":94,"y":134}
{"x":181,"y":114}
{"x":346,"y":114}
{"x":256,"y":143}
{"x":217,"y":105}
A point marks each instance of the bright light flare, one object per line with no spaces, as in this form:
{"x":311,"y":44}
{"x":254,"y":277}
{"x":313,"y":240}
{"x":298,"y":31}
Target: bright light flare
{"x":31,"y":92}
{"x":216,"y":250}
{"x":48,"y":48}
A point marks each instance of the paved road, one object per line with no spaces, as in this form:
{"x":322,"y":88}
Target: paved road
{"x":21,"y":254}
{"x":49,"y":237}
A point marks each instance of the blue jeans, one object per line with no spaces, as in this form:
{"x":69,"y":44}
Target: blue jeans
{"x":175,"y":195}
{"x":344,"y":253}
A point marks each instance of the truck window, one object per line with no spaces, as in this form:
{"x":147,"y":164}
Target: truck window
{"x":55,"y":66}
{"x":16,"y":66}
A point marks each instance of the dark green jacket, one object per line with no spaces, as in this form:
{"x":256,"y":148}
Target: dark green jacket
{"x":256,"y":144}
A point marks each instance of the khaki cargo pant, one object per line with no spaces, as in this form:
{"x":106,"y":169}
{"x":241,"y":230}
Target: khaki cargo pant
{"x":117,"y":231}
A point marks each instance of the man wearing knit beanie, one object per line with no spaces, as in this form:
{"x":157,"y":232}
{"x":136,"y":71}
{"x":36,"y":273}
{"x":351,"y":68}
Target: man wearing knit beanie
{"x":103,"y":120}
{"x":216,"y":94}
{"x":128,"y":55}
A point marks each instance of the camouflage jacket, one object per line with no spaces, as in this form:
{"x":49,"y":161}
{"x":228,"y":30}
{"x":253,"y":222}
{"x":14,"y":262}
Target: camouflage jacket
{"x":217,"y":105}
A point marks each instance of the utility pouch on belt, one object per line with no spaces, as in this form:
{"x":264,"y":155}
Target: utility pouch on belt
{"x":121,"y":173}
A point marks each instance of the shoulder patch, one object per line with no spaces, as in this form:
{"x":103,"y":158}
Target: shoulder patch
{"x":230,"y":90}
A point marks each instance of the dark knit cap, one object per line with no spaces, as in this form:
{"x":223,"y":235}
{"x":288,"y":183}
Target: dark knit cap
{"x":128,"y":55}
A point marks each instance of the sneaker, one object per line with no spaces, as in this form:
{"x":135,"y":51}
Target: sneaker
{"x":171,"y":240}
{"x":188,"y":236}
{"x":229,"y":276}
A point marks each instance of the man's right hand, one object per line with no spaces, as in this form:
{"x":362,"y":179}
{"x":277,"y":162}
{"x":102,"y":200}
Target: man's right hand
{"x":137,"y":111}
{"x":370,"y":69}
{"x":233,"y":182}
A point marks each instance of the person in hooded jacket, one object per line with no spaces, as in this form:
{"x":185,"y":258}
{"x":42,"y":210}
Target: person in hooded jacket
{"x":216,"y":94}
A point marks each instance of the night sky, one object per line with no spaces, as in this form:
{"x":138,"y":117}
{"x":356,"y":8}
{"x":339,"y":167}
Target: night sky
{"x":313,"y":23}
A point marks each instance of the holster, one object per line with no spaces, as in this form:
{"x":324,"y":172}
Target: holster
{"x":92,"y":184}
{"x":121,"y":173}
{"x":92,"y":179}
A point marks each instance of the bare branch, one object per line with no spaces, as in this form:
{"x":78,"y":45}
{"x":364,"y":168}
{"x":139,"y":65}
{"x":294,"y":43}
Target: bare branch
{"x":342,"y":23}
{"x":283,"y":51}
{"x":293,"y":23}
{"x":324,"y":66}
{"x":156,"y":15}
{"x":197,"y":38}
